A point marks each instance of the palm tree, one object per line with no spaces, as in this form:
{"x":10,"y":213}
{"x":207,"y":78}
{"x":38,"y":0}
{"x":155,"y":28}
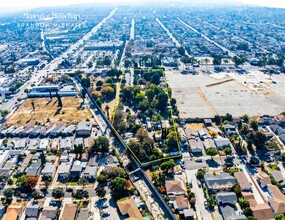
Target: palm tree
{"x":207,"y":61}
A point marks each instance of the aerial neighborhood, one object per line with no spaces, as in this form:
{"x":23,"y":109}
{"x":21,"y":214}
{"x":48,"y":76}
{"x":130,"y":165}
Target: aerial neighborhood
{"x":142,"y":112}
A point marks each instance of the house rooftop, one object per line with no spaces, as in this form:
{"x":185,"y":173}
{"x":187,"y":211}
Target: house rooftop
{"x":129,"y":207}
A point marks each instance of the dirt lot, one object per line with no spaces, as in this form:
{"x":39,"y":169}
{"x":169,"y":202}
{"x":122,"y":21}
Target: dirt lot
{"x":194,"y":126}
{"x":252,"y":94}
{"x":48,"y":110}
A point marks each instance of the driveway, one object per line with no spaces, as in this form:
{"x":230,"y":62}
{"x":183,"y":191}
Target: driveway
{"x":201,"y":212}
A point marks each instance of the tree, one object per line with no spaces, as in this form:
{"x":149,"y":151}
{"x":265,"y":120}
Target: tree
{"x":279,"y":217}
{"x":21,"y":181}
{"x":117,"y":186}
{"x":167,"y":165}
{"x":211,"y":201}
{"x":102,"y":177}
{"x":254,"y":125}
{"x":4,"y":113}
{"x":8,"y":193}
{"x":259,"y":140}
{"x":36,"y":195}
{"x":80,"y":194}
{"x":86,"y":82}
{"x":96,"y":95}
{"x":162,"y":101}
{"x":26,"y":91}
{"x":217,"y":119}
{"x":200,"y":174}
{"x":99,"y":83}
{"x":283,"y":157}
{"x":245,"y":118}
{"x":108,"y":92}
{"x":247,"y":211}
{"x":142,"y":134}
{"x":217,"y":60}
{"x":100,"y":144}
{"x":228,"y":151}
{"x":155,"y":79}
{"x":181,"y":51}
{"x":57,"y":192}
{"x":31,"y":182}
{"x":211,"y":151}
{"x":82,"y":182}
{"x":100,"y":192}
{"x":117,"y":172}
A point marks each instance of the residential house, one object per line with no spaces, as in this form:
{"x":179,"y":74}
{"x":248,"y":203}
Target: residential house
{"x":14,"y":211}
{"x":83,"y":214}
{"x":113,"y":160}
{"x":63,"y":171}
{"x":278,"y":176}
{"x":50,"y":158}
{"x":230,"y":212}
{"x":277,"y":129}
{"x":263,"y":179}
{"x":277,"y":200}
{"x":35,"y":168}
{"x":4,"y":155}
{"x":204,"y":134}
{"x":189,"y":214}
{"x":226,"y":197}
{"x":49,"y":213}
{"x":32,"y":211}
{"x":262,"y":211}
{"x":221,"y":182}
{"x":191,"y":133}
{"x":66,"y":143}
{"x":20,"y":144}
{"x":243,"y":182}
{"x":207,"y":122}
{"x":49,"y":170}
{"x":69,"y":131}
{"x":209,"y":143}
{"x":181,"y":203}
{"x":69,"y":212}
{"x":76,"y":169}
{"x":56,"y":131}
{"x":174,"y":187}
{"x":43,"y":144}
{"x":129,"y":207}
{"x":83,"y":129}
{"x":229,"y":129}
{"x":222,"y":142}
{"x":90,"y":173}
{"x":32,"y":145}
{"x":196,"y":145}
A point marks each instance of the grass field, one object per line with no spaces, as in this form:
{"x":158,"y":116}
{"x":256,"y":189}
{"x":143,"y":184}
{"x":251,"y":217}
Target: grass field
{"x":47,"y":111}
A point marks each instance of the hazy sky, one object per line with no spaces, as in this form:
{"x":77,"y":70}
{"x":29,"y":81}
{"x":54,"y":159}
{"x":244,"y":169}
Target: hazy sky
{"x":41,"y":3}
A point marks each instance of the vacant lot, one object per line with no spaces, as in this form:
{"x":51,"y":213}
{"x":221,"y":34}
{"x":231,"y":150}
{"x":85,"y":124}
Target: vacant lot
{"x":204,"y":96}
{"x":47,"y":111}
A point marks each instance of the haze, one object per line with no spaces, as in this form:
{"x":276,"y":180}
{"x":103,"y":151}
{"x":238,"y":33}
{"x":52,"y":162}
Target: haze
{"x":45,"y":3}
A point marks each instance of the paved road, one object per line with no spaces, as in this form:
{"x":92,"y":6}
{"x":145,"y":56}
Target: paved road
{"x":201,"y":212}
{"x":208,"y":39}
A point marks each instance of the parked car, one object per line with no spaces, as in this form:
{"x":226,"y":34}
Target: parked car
{"x":104,"y":206}
{"x":105,"y":214}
